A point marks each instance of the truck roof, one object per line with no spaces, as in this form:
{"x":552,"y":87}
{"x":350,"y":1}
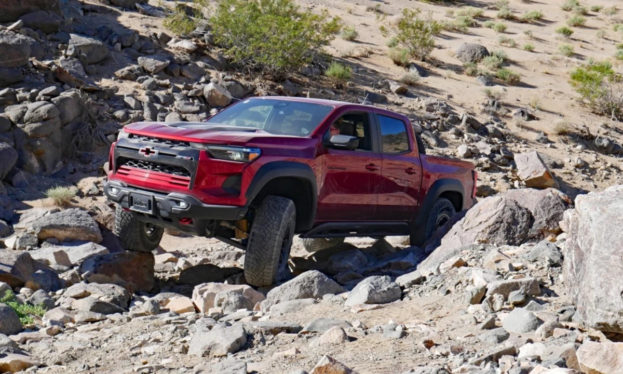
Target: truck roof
{"x":333,"y":103}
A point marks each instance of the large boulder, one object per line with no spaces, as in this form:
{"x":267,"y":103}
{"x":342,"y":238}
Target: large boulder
{"x":68,"y":225}
{"x":16,"y":49}
{"x":46,"y":21}
{"x":547,"y":207}
{"x":132,"y":270}
{"x":217,"y":95}
{"x":69,"y":105}
{"x":600,"y":358}
{"x":310,"y":284}
{"x":87,"y":49}
{"x":471,"y":52}
{"x":153,"y":64}
{"x":67,"y":255}
{"x":17,"y":269}
{"x":592,"y":267}
{"x":11,"y":10}
{"x":532,"y":170}
{"x":8,"y":155}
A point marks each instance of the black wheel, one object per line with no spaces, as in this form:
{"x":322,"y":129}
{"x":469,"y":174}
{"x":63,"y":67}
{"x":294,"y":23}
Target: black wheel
{"x":270,"y":239}
{"x":440,"y":213}
{"x":319,"y":244}
{"x":134,"y":234}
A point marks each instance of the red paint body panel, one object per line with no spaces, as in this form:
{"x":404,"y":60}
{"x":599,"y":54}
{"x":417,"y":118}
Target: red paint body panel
{"x":351,"y":185}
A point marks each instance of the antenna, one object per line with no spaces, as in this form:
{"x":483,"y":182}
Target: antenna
{"x":365,"y":99}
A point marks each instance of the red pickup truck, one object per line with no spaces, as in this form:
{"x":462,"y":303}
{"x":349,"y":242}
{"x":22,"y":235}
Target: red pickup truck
{"x":267,"y":168}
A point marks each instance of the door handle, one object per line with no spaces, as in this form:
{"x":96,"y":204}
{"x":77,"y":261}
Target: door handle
{"x":372,"y":167}
{"x":410,"y":171}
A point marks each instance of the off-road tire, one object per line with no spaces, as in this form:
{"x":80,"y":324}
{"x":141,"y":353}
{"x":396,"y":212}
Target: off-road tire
{"x":270,"y":240}
{"x":318,"y":244}
{"x":135,"y":235}
{"x":440,"y":213}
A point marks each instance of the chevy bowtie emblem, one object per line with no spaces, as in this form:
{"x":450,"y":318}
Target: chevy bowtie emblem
{"x":148,"y":152}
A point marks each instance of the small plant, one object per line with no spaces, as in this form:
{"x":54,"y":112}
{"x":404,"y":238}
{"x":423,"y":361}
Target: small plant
{"x":564,"y":31}
{"x":506,"y":41}
{"x":576,"y":21}
{"x":492,"y":62}
{"x":349,"y":33}
{"x":392,"y":42}
{"x":180,"y":23}
{"x":528,"y":47}
{"x":499,"y":27}
{"x":596,"y":8}
{"x":400,"y":56}
{"x":600,"y":87}
{"x":566,"y":50}
{"x":338,"y":73}
{"x":499,"y":4}
{"x":493,"y":94}
{"x":61,"y":195}
{"x":505,"y":13}
{"x":601,"y":34}
{"x":619,"y":54}
{"x":415,"y":33}
{"x":489,"y":24}
{"x":529,"y":34}
{"x":463,"y":22}
{"x":25,"y":312}
{"x":617,"y":27}
{"x":508,"y":76}
{"x":569,"y":5}
{"x":532,"y":16}
{"x":410,"y":79}
{"x":563,"y":128}
{"x":611,"y":11}
{"x":470,"y":69}
{"x":535,"y":103}
{"x":470,"y":12}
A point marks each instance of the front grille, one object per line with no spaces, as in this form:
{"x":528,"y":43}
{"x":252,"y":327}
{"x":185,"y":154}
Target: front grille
{"x":148,"y":165}
{"x":154,"y":176}
{"x":166,"y":142}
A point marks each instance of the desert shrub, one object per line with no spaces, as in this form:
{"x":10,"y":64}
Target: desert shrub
{"x":576,"y":21}
{"x":338,"y":73}
{"x":492,"y":62}
{"x":349,"y":33}
{"x":489,"y":24}
{"x":400,"y":56}
{"x":506,"y":41}
{"x":563,"y":128}
{"x":528,"y":47}
{"x":61,"y":195}
{"x":564,"y":31}
{"x":454,"y":26}
{"x":566,"y":50}
{"x":580,"y":10}
{"x":617,"y":27}
{"x":179,"y":22}
{"x":272,"y":36}
{"x":505,"y":13}
{"x":470,"y":69}
{"x":600,"y":87}
{"x":470,"y":12}
{"x":569,"y":5}
{"x":392,"y":42}
{"x":25,"y":312}
{"x":499,"y":27}
{"x":596,"y":8}
{"x":508,"y":76}
{"x":463,"y":22}
{"x":499,"y":4}
{"x":532,"y":16}
{"x":619,"y":54}
{"x":611,"y":11}
{"x":410,"y":79}
{"x":415,"y":33}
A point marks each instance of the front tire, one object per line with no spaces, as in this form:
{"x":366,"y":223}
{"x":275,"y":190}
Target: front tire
{"x":270,"y":240}
{"x":440,"y":213}
{"x":135,"y":235}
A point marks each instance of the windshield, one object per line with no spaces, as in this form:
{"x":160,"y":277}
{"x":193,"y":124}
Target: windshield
{"x":273,"y":116}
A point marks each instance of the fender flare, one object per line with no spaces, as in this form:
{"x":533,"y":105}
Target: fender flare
{"x":439,"y":187}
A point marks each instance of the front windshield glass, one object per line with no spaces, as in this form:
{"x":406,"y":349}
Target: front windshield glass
{"x":273,"y":116}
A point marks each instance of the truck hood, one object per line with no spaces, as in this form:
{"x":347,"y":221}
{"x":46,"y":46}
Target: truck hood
{"x":200,"y":132}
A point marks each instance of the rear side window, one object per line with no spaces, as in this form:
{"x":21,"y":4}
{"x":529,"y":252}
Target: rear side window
{"x":394,"y":137}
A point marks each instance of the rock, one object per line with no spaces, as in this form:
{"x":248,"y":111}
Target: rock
{"x":11,"y":10}
{"x":272,"y":327}
{"x":128,"y":4}
{"x":232,"y":300}
{"x":517,"y":297}
{"x":205,"y":273}
{"x":310,"y":284}
{"x":67,"y":255}
{"x":132,"y":270}
{"x":530,"y":286}
{"x":153,"y":64}
{"x":58,"y":317}
{"x":16,"y":49}
{"x":374,"y":290}
{"x":87,"y":49}
{"x":398,"y":88}
{"x":329,"y":365}
{"x":40,"y":111}
{"x":46,"y":21}
{"x":236,"y":89}
{"x":219,"y":341}
{"x":111,"y":293}
{"x":600,"y":358}
{"x":192,"y":71}
{"x":9,"y":321}
{"x":547,"y":207}
{"x":335,"y":335}
{"x":180,"y":305}
{"x":494,"y":336}
{"x":227,"y":366}
{"x":131,"y":72}
{"x":532,"y":170}
{"x":185,"y":45}
{"x":9,"y":76}
{"x":40,"y":297}
{"x":410,"y":279}
{"x":69,"y":105}
{"x":592,"y":252}
{"x":345,"y":261}
{"x":92,"y":304}
{"x":204,"y":294}
{"x":520,"y":321}
{"x":471,"y":52}
{"x":68,"y":225}
{"x":14,"y":362}
{"x":546,"y":252}
{"x":18,"y":268}
{"x":8,"y":155}
{"x":216,"y":95}
{"x":321,"y":325}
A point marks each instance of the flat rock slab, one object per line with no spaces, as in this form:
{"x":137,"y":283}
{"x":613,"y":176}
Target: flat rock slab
{"x":310,"y":284}
{"x":68,"y":225}
{"x":374,"y":290}
{"x":219,"y":341}
{"x":132,"y":270}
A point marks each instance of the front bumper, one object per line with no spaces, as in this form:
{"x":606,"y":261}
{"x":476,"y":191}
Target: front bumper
{"x":175,"y":210}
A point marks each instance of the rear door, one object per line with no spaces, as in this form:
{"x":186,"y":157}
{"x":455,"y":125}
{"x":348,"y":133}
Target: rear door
{"x":350,"y":187}
{"x":401,"y":171}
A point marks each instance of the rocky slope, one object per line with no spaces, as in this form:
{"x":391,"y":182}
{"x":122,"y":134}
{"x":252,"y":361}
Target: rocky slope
{"x":525,"y":282}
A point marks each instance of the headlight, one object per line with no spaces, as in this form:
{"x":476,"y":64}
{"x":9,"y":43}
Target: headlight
{"x":230,"y":153}
{"x":122,"y":135}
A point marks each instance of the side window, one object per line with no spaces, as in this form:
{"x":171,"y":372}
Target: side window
{"x":354,"y":124}
{"x":394,"y":137}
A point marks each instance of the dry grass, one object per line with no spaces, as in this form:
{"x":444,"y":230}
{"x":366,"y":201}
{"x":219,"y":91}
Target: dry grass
{"x":61,"y":196}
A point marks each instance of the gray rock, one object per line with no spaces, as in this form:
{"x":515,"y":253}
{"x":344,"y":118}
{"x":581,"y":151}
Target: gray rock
{"x":530,"y":286}
{"x":68,"y":225}
{"x":321,"y":325}
{"x":46,"y":21}
{"x":41,"y":111}
{"x":345,"y":261}
{"x":131,"y":72}
{"x":600,"y":357}
{"x":132,"y":102}
{"x":546,"y":252}
{"x":272,"y":327}
{"x":67,"y":255}
{"x":310,"y":284}
{"x":517,"y":297}
{"x":153,"y":64}
{"x":9,"y":321}
{"x":40,"y":297}
{"x":7,"y":345}
{"x":290,"y":306}
{"x":219,"y":341}
{"x":592,"y":258}
{"x":374,"y":290}
{"x":547,"y":207}
{"x":4,"y":287}
{"x":471,"y":52}
{"x":132,"y":270}
{"x":231,"y":300}
{"x":227,"y":366}
{"x":192,"y":71}
{"x":69,"y":105}
{"x":236,"y":89}
{"x":92,"y":304}
{"x":11,"y":10}
{"x":521,"y":321}
{"x":216,"y":95}
{"x":173,"y":117}
{"x":410,"y":279}
{"x":8,"y":155}
{"x":18,"y":268}
{"x":107,"y":292}
{"x":58,"y":317}
{"x":533,"y":171}
{"x":16,"y":49}
{"x":5,"y":229}
{"x":494,"y":336}
{"x":329,"y":365}
{"x":87,"y":49}
{"x":9,"y":76}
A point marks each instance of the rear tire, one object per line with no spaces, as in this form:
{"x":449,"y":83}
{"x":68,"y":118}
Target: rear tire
{"x":270,"y":240}
{"x":440,"y":213}
{"x":318,"y":244}
{"x":135,"y":235}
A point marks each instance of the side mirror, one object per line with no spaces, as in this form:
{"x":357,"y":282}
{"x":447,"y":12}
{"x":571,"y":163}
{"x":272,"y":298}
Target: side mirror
{"x":344,"y":142}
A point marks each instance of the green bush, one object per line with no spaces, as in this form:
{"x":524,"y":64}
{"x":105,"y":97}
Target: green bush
{"x":349,"y":33}
{"x":596,"y":8}
{"x":400,"y":56}
{"x":565,"y":31}
{"x":271,"y":36}
{"x":180,"y":23}
{"x":463,"y":22}
{"x":566,"y":50}
{"x":470,"y":12}
{"x":619,"y":54}
{"x":600,"y":87}
{"x":505,"y":13}
{"x":576,"y":21}
{"x":569,"y":5}
{"x":580,"y":10}
{"x":508,"y":76}
{"x":611,"y":11}
{"x":61,"y":195}
{"x":492,"y":62}
{"x":532,"y":16}
{"x":338,"y":73}
{"x":25,"y":312}
{"x":499,"y":27}
{"x":416,"y":33}
{"x":489,"y":24}
{"x":506,"y":41}
{"x":410,"y":79}
{"x":471,"y":69}
{"x":528,"y":47}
